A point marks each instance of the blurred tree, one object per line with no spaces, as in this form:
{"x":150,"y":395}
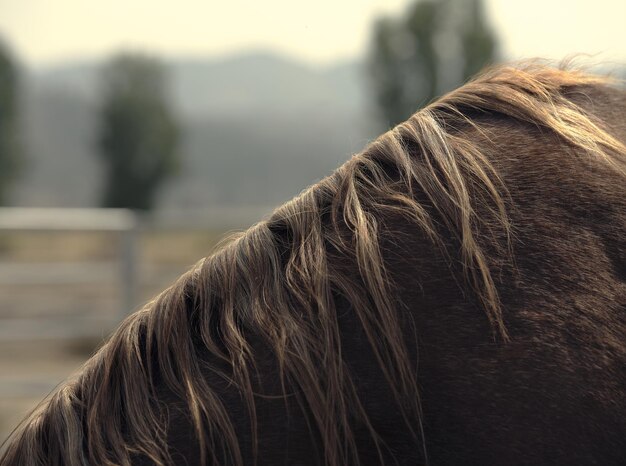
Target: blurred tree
{"x":138,"y":136}
{"x":434,"y":48}
{"x":9,"y":147}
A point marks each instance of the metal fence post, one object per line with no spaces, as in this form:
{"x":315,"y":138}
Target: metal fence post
{"x":129,"y":257}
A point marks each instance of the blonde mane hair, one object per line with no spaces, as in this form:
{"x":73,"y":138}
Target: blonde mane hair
{"x":280,"y":282}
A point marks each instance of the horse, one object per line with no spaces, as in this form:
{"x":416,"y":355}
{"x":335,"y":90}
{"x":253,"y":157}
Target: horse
{"x":454,"y":294}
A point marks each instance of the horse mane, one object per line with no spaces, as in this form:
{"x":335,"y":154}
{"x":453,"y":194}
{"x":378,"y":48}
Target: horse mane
{"x":281,"y":284}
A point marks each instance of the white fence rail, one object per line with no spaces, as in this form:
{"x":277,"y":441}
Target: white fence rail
{"x":123,"y":222}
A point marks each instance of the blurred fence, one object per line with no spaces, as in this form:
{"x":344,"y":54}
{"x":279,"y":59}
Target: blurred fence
{"x":121,"y":222}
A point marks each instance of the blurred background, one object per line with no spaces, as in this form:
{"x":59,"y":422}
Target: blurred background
{"x":135,"y":135}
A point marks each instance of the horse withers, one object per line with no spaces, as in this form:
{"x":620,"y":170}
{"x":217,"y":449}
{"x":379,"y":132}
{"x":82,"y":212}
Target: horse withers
{"x":453,"y":295}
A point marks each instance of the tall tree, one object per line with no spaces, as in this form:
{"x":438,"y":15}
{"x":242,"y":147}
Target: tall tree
{"x":434,"y":47}
{"x":139,"y":135}
{"x":9,"y":146}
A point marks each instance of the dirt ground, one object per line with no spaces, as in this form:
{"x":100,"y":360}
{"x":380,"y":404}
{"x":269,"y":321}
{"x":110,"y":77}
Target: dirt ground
{"x":60,"y":296}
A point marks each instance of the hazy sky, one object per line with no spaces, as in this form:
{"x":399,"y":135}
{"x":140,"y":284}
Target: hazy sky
{"x":322,"y":31}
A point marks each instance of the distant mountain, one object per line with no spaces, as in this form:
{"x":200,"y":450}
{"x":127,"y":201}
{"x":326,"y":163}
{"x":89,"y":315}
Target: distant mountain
{"x":262,"y":82}
{"x":257,"y":129}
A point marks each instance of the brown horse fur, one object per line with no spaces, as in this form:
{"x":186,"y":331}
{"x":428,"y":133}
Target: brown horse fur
{"x":454,"y":294}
